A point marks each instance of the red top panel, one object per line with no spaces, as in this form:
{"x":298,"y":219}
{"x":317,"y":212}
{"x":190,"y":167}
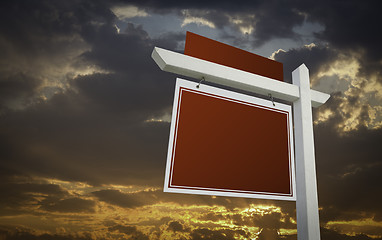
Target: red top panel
{"x":220,"y":53}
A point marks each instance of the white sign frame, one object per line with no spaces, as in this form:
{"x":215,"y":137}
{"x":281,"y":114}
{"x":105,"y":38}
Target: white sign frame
{"x":184,"y":85}
{"x":303,"y":99}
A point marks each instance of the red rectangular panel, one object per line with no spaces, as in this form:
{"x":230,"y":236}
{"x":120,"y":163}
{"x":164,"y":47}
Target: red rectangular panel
{"x":229,"y":144}
{"x":220,"y":53}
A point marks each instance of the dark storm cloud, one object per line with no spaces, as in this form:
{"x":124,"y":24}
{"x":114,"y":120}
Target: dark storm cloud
{"x":351,"y":26}
{"x":129,"y":230}
{"x":17,"y":89}
{"x":273,"y":19}
{"x":349,"y":168}
{"x":348,"y":164}
{"x":71,"y":140}
{"x":131,"y":200}
{"x":136,"y":83}
{"x":28,"y":234}
{"x":328,"y":234}
{"x":24,"y":20}
{"x":28,"y":196}
{"x":137,"y":96}
{"x":276,"y":20}
{"x":90,"y":133}
{"x":127,"y":52}
{"x":37,"y":39}
{"x":134,"y":91}
{"x":223,"y":234}
{"x":95,"y":131}
{"x":269,"y":220}
{"x":19,"y":194}
{"x":119,"y":52}
{"x":176,"y":227}
{"x":170,"y":4}
{"x":69,"y":205}
{"x":212,"y":216}
{"x":143,"y":198}
{"x":316,"y":58}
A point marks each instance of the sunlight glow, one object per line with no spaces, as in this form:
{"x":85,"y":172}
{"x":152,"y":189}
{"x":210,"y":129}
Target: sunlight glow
{"x":344,"y":67}
{"x":129,"y":11}
{"x":188,"y":19}
{"x":323,"y":116}
{"x":361,"y":98}
{"x":261,"y":209}
{"x":368,"y":226}
{"x":245,"y":24}
{"x":164,"y":118}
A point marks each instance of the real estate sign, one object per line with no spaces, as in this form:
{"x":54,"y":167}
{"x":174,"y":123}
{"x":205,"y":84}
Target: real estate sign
{"x":229,"y":144}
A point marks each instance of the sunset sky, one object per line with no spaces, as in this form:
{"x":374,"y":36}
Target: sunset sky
{"x":85,"y":116}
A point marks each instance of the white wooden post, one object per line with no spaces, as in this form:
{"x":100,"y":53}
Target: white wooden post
{"x":308,"y":224}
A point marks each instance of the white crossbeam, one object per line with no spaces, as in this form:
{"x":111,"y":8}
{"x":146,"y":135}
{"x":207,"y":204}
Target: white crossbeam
{"x":197,"y":68}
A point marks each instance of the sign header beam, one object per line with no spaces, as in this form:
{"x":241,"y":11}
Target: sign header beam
{"x":197,"y":68}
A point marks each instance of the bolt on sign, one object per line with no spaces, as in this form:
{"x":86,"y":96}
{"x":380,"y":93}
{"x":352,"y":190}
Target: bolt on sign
{"x":229,"y":144}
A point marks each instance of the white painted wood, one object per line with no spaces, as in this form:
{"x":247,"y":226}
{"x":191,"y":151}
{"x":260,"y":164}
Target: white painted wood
{"x":308,"y":224}
{"x":197,"y":68}
{"x":303,"y":98}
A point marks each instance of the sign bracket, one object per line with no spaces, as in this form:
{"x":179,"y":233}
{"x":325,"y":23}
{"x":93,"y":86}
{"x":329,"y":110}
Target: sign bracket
{"x":202,"y":80}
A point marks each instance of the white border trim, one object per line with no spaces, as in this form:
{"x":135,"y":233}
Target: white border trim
{"x":235,"y":97}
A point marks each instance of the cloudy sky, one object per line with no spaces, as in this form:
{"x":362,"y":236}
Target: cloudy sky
{"x":84,"y":117}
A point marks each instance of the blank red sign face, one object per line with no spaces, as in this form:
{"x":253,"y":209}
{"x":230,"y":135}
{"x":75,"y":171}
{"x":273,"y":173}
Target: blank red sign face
{"x":228,"y":144}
